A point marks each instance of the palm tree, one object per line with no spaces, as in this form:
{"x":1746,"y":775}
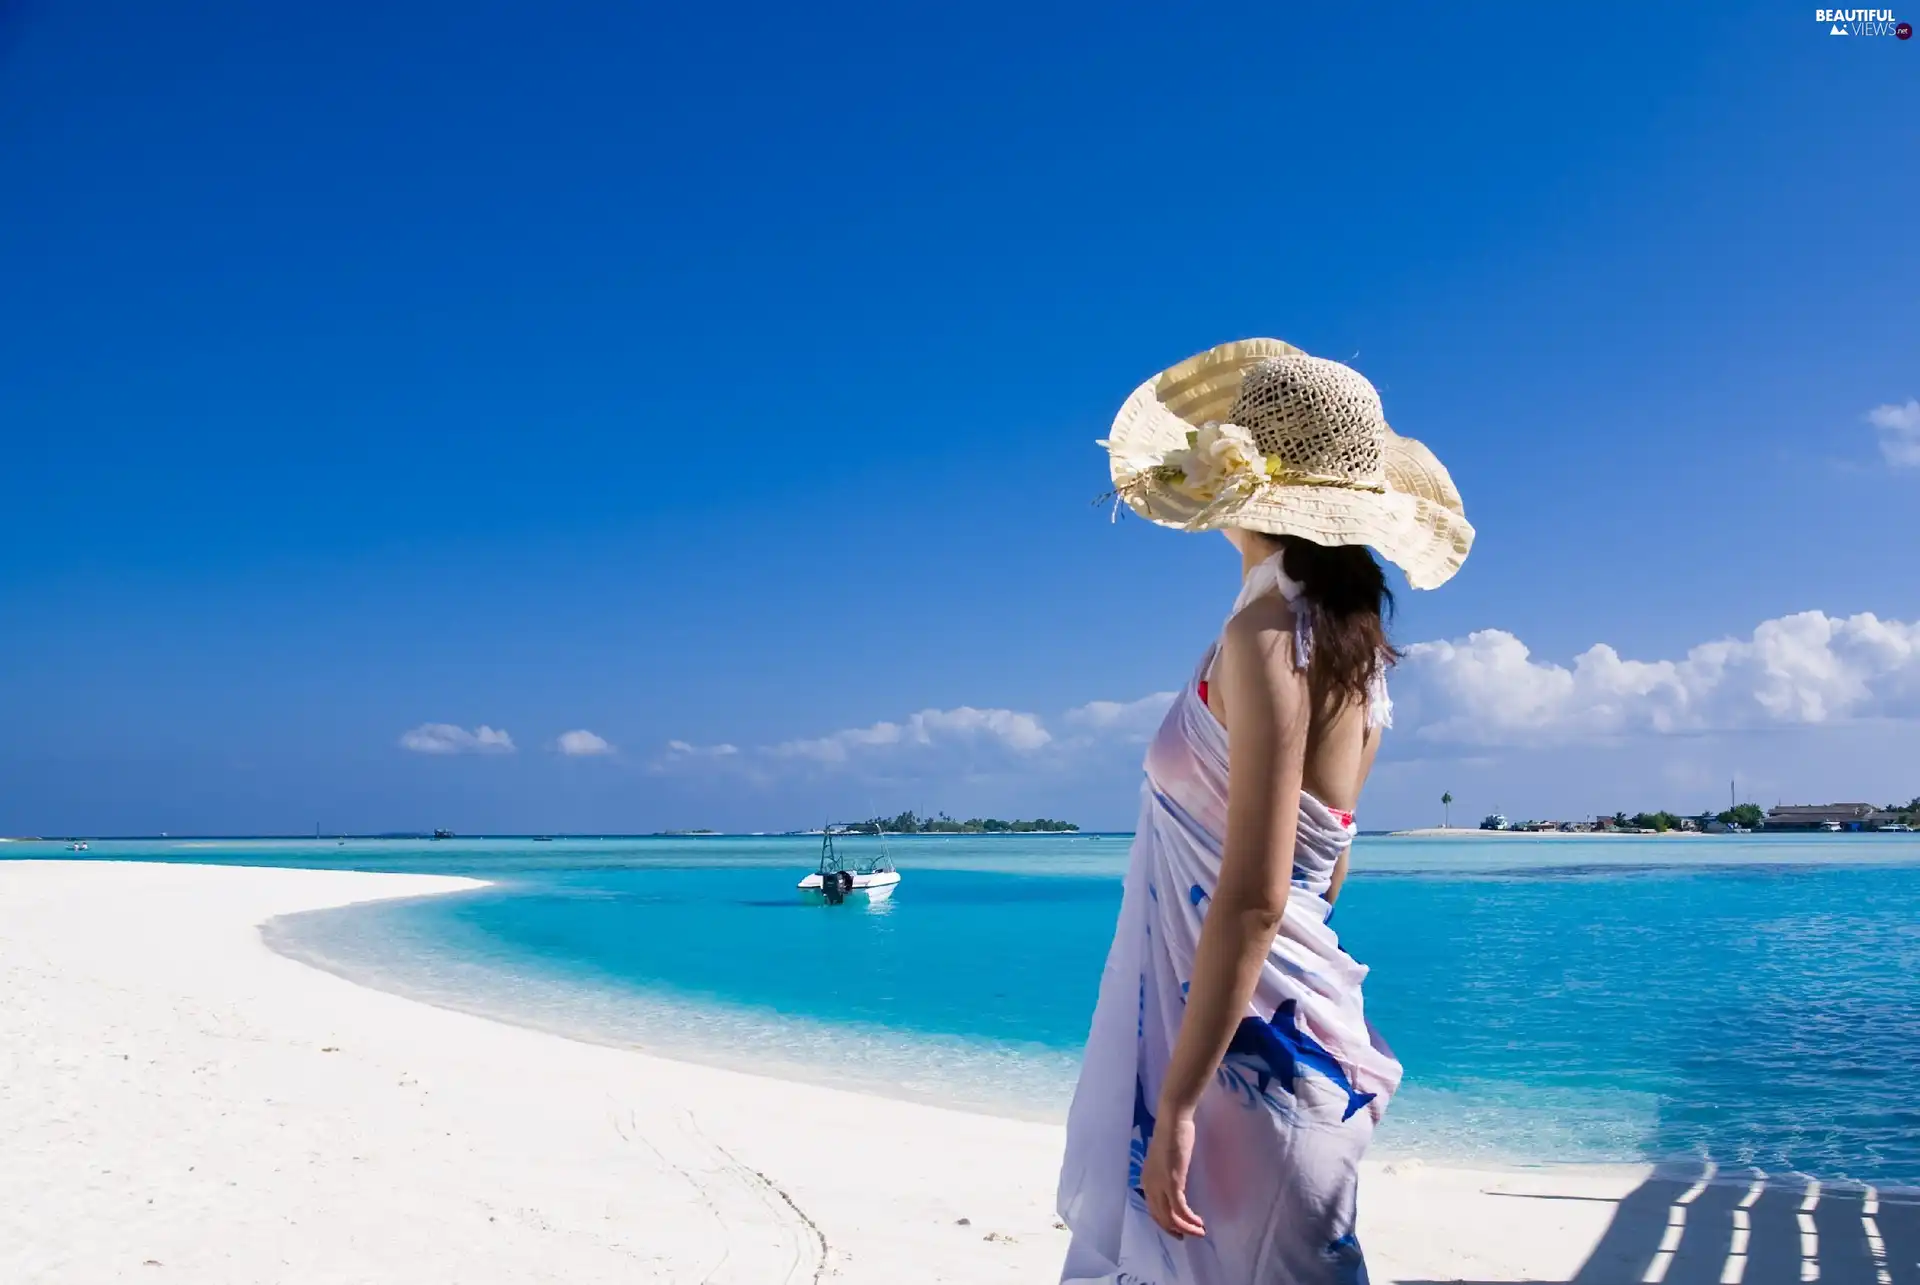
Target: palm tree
{"x":1446,"y":810}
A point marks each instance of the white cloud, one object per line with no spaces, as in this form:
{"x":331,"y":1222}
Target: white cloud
{"x":941,"y":740}
{"x":445,"y":738}
{"x":1899,"y":432}
{"x":1795,"y":671}
{"x":580,"y":743}
{"x":1002,"y":728}
{"x":1486,"y":690}
{"x":1133,"y":721}
{"x":687,"y":750}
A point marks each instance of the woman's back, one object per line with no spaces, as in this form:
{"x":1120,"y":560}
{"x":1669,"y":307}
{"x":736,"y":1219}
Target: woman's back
{"x":1342,"y":735}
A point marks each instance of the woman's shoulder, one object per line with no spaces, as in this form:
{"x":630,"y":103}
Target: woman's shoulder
{"x":1268,"y":614}
{"x":1261,"y":634}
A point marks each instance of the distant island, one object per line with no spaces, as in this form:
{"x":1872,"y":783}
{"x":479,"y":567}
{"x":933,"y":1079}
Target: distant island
{"x":1744,"y":818}
{"x":909,"y":823}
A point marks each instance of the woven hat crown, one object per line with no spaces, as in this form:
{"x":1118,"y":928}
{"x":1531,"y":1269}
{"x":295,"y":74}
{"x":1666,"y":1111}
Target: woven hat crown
{"x":1258,"y":435}
{"x":1315,"y":416}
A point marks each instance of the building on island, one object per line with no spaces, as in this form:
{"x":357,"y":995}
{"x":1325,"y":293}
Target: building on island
{"x":1820,"y":816}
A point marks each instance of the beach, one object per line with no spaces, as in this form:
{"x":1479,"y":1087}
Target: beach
{"x":1464,"y":832}
{"x":182,"y":1103}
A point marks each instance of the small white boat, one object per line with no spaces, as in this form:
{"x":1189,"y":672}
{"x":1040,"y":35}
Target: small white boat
{"x":1831,"y":827}
{"x":1898,"y":827}
{"x":836,"y":881}
{"x":78,"y":845}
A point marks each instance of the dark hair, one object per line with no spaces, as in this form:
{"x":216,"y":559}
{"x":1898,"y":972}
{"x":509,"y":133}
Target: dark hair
{"x":1351,"y":604}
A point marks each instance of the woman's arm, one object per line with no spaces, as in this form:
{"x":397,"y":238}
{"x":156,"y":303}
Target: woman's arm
{"x":1266,"y":708}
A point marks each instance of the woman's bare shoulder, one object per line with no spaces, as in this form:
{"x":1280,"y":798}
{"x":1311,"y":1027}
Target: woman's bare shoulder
{"x":1260,"y":636}
{"x":1258,"y":621}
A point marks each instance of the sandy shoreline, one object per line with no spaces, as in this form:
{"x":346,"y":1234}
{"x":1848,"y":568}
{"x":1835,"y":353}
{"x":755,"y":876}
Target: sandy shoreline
{"x":1462,"y":832}
{"x":180,"y":1103}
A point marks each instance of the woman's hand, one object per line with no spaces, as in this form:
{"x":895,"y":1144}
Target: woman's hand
{"x":1163,"y":1178}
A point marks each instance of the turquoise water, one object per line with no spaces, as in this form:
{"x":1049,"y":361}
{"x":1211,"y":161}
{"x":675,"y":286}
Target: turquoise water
{"x":1753,"y":1000}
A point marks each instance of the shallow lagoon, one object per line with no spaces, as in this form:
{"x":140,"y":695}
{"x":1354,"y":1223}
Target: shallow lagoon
{"x":1753,"y":999}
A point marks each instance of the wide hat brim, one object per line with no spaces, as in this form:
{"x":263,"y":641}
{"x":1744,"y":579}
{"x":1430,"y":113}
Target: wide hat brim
{"x":1417,"y":522}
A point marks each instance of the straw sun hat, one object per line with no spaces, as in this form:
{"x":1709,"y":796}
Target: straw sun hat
{"x":1259,"y":435}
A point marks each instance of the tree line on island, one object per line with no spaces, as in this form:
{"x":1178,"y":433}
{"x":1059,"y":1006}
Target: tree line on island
{"x":911,"y":823}
{"x":1747,"y":816}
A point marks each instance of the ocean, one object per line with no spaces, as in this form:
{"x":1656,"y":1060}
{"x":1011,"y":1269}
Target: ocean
{"x":1750,"y":1000}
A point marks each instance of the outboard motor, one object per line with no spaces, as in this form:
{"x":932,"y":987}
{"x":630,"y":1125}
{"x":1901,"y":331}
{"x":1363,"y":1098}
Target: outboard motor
{"x":836,"y":884}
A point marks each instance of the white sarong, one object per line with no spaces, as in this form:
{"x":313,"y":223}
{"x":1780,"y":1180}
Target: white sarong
{"x":1280,"y":1131}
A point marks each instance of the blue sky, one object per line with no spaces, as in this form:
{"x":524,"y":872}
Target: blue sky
{"x":734,"y":383}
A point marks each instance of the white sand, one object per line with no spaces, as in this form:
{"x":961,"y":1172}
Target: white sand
{"x":1462,"y":832}
{"x":177,"y":1102}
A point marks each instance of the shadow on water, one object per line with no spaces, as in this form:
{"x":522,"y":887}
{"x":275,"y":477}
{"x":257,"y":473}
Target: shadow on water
{"x":1696,"y":1227}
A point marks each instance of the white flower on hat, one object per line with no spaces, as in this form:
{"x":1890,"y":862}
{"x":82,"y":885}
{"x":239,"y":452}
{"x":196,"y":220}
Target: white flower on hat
{"x":1217,"y":456}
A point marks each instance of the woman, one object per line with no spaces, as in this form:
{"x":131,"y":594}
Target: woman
{"x":1231,"y":1081}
